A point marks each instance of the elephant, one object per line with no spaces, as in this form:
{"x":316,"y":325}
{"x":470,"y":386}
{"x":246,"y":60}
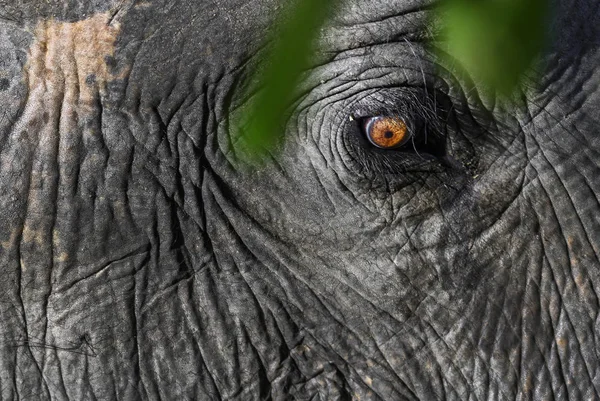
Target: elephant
{"x":413,"y":236}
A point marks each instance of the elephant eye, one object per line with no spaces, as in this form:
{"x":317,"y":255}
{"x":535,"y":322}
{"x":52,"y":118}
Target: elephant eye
{"x":386,"y":132}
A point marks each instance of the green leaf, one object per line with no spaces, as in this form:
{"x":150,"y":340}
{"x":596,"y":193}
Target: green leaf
{"x":496,"y":41}
{"x":292,"y":46}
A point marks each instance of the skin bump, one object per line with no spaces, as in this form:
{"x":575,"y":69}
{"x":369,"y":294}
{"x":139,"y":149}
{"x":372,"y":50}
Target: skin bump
{"x":62,"y":257}
{"x":32,"y":235}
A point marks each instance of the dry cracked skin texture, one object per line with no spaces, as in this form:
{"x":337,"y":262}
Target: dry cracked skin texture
{"x":70,"y":60}
{"x":138,"y":263}
{"x":66,"y":74}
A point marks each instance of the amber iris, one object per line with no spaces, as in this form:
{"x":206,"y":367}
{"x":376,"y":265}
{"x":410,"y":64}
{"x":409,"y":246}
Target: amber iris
{"x":386,"y":132}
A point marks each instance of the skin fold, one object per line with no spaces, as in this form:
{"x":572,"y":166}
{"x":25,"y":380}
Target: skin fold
{"x":143,"y":259}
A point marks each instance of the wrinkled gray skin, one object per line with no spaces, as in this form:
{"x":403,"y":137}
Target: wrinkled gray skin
{"x":141,"y":260}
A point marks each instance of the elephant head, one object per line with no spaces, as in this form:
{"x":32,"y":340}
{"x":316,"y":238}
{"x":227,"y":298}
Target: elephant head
{"x":414,"y":237}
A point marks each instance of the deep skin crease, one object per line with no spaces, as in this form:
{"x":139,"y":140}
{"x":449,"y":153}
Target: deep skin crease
{"x":141,"y":259}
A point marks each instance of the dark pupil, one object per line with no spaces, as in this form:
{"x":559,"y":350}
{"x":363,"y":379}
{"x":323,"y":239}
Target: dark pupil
{"x":388,"y":134}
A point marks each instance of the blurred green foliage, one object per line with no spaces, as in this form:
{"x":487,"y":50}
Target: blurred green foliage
{"x":292,"y":45}
{"x":494,"y":40}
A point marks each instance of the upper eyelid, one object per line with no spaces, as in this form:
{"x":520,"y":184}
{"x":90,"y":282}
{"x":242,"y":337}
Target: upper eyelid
{"x":399,"y":101}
